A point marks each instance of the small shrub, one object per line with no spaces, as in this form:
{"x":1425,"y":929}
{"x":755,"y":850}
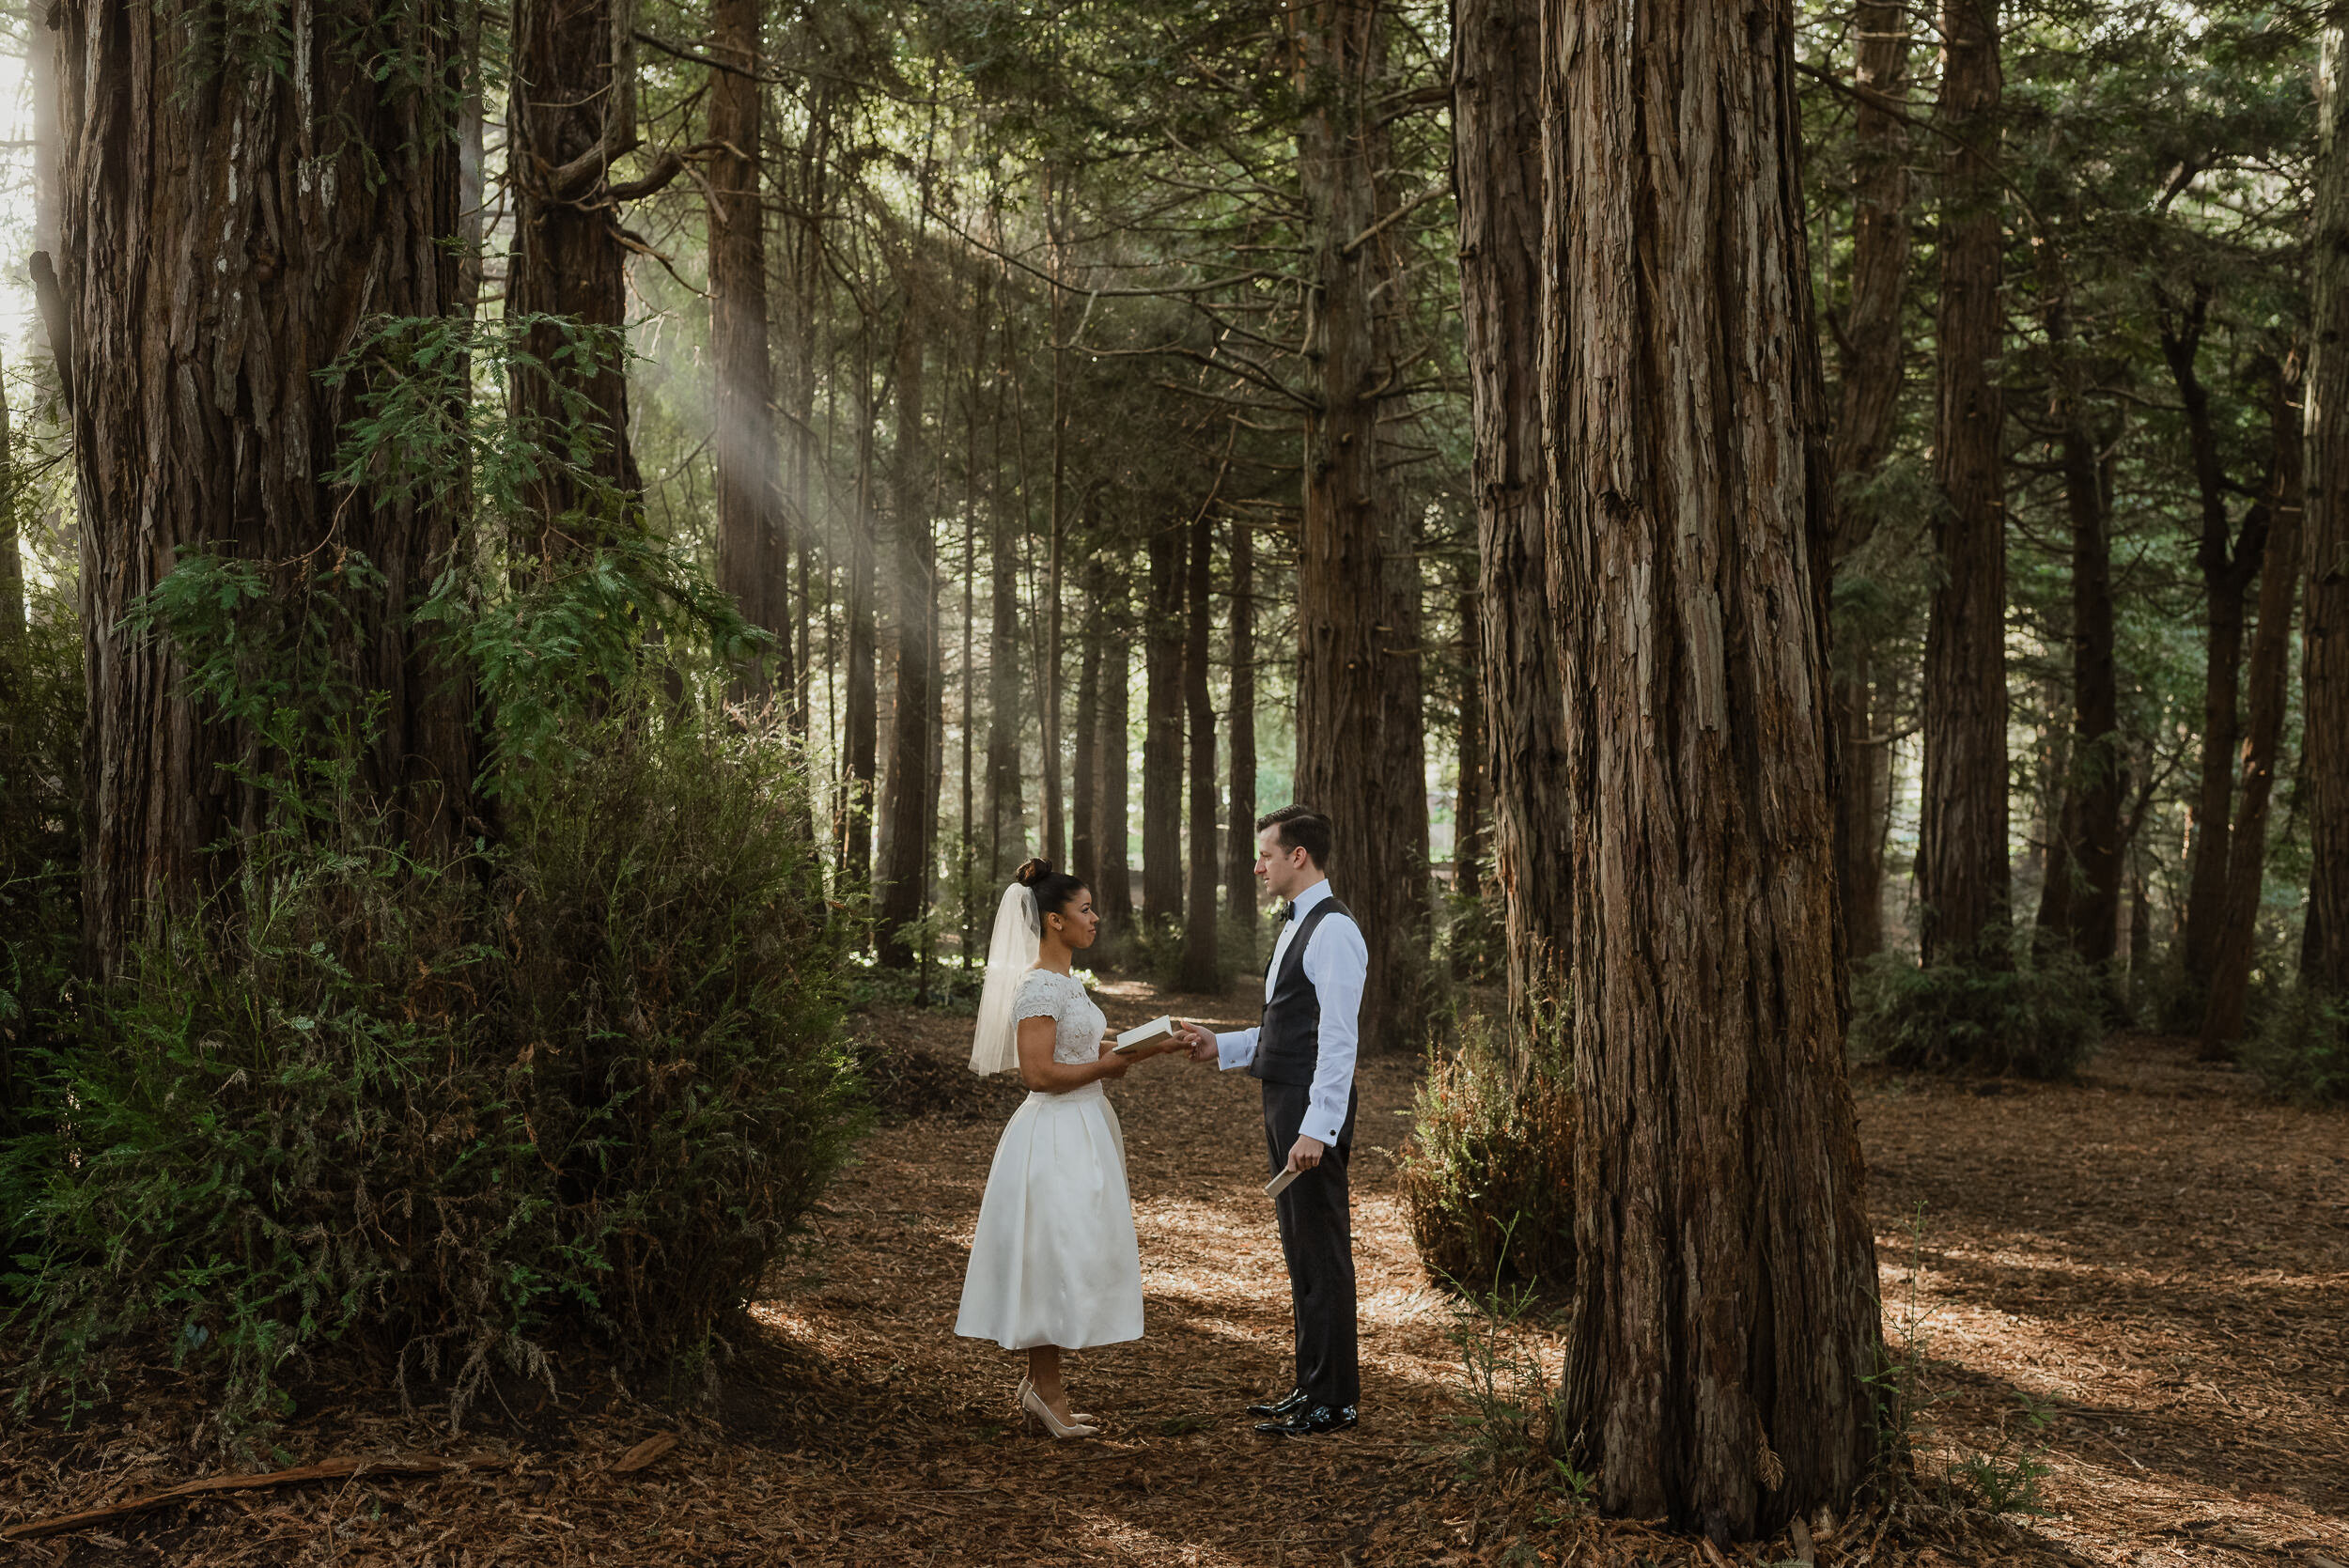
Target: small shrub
{"x":2039,"y":1014}
{"x":1511,"y":1420}
{"x":2300,"y":1048}
{"x":1487,"y":1176}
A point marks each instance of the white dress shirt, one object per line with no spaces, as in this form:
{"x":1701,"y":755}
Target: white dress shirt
{"x":1337,"y":961}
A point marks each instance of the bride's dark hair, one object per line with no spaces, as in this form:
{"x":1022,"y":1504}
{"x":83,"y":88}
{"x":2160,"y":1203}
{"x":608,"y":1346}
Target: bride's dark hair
{"x":1053,"y":889}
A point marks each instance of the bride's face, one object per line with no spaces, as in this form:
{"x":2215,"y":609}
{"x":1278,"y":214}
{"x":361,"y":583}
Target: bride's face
{"x":1077,"y":922}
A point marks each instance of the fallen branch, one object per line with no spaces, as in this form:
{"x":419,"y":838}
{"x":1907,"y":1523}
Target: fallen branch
{"x":325,"y":1470}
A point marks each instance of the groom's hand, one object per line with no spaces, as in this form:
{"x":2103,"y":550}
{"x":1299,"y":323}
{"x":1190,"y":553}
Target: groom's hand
{"x":1201,"y":1041}
{"x":1304,"y":1154}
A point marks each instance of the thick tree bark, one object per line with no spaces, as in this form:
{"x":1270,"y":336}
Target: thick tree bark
{"x":908,"y":805}
{"x":1239,"y":874}
{"x":227,"y":232}
{"x":752,"y":549}
{"x":2081,"y":901}
{"x":1497,"y":174}
{"x":571,"y":117}
{"x":2324,"y":526}
{"x":1115,"y":894}
{"x":1162,"y":732}
{"x":1200,"y":969}
{"x":1361,"y":749}
{"x":1962,"y":863}
{"x":2229,"y":561}
{"x":1867,"y":411}
{"x":2229,"y":992}
{"x":1726,"y":1318}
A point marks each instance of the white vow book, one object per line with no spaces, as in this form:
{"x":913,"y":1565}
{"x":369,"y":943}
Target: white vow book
{"x":1280,"y":1184}
{"x":1161,"y":1028}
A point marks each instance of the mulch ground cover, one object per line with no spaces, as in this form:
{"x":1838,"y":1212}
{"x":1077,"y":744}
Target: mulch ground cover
{"x":2139,"y":1283}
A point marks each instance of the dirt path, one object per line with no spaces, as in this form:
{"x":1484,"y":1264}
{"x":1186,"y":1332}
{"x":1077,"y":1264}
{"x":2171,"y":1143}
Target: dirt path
{"x":2156,"y":1258}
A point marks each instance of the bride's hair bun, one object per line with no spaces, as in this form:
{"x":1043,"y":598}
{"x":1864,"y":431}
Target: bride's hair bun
{"x":1053,"y":889}
{"x":1031,"y":872}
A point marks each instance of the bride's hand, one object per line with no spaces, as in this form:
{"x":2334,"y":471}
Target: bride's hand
{"x":1110,"y":1065}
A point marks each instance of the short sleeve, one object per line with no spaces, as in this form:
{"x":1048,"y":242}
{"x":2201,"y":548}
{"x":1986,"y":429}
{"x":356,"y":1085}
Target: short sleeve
{"x":1038,"y":998}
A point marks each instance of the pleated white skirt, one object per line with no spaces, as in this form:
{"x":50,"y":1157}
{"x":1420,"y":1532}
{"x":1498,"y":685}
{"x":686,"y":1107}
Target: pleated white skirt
{"x":1055,"y":1260}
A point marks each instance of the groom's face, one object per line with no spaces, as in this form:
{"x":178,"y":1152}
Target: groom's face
{"x":1284,"y":871}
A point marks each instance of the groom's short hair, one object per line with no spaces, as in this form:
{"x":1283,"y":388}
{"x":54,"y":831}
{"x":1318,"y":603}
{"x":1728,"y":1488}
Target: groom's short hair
{"x":1300,"y":828}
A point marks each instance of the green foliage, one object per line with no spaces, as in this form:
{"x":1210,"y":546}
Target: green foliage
{"x":2005,"y":1480}
{"x":1514,"y":1428}
{"x":1471,"y":946}
{"x":2300,"y":1048}
{"x":1487,"y":1178}
{"x":2037,"y":1014}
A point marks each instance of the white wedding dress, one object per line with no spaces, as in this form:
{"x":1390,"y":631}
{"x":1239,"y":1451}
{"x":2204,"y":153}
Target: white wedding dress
{"x":1055,"y":1260}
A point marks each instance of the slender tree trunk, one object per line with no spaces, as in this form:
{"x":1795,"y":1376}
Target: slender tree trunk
{"x":1239,"y":874}
{"x":1006,"y":837}
{"x":1467,"y":806}
{"x":861,"y":701}
{"x":1726,"y":1321}
{"x":1054,"y":800}
{"x":2227,"y":570}
{"x":1200,"y":969}
{"x":752,"y":552}
{"x":2080,"y":902}
{"x":11,"y":558}
{"x":2324,"y":545}
{"x":1084,"y":842}
{"x":1497,"y":172}
{"x":218,"y":223}
{"x":572,"y":117}
{"x":1360,"y":748}
{"x":1114,"y":895}
{"x":2271,"y":657}
{"x":907,"y":805}
{"x":1867,"y":409}
{"x":1162,"y":733}
{"x":1962,"y":864}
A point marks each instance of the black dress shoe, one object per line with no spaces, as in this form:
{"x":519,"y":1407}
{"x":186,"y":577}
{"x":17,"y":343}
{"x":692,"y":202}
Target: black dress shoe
{"x":1289,"y":1403}
{"x":1314,"y":1423}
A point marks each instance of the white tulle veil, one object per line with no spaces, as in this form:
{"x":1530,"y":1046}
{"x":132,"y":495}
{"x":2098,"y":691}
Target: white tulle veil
{"x":1011,"y":952}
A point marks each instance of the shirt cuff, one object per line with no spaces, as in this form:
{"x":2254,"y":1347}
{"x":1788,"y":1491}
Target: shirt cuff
{"x":1236,"y":1048}
{"x":1318,"y":1127}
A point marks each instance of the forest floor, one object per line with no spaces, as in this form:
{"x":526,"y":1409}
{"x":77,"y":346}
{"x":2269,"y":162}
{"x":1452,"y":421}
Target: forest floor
{"x":2139,"y":1280}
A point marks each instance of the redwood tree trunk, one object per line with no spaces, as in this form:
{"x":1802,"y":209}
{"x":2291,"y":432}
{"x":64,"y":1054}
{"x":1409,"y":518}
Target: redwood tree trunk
{"x":1497,"y":173}
{"x":572,"y":116}
{"x":1199,"y":955}
{"x":1162,"y":732}
{"x":1961,"y":862}
{"x":227,"y":232}
{"x":749,"y":454}
{"x":1468,"y":808}
{"x":1726,"y":1319}
{"x":861,"y":701}
{"x":1114,"y":895}
{"x":1867,"y":409}
{"x":909,"y":808}
{"x":1239,"y":874}
{"x":1360,"y":751}
{"x":2271,"y":653}
{"x":2324,"y":545}
{"x":1006,"y":828}
{"x":1084,"y":816}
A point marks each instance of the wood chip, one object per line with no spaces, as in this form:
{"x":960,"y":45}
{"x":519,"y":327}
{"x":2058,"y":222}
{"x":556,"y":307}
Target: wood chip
{"x":325,"y":1470}
{"x":645,"y":1452}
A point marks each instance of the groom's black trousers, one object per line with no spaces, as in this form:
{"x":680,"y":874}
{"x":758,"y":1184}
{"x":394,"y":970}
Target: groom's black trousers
{"x":1317,"y":1238}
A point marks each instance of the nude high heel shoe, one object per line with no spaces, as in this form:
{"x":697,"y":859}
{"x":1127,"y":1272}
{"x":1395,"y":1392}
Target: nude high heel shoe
{"x":1084,"y":1418}
{"x":1032,"y":1403}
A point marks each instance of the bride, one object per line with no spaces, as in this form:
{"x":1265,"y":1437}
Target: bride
{"x":1053,"y":1263}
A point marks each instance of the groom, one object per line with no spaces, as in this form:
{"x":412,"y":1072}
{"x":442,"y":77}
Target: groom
{"x":1304,"y":1051}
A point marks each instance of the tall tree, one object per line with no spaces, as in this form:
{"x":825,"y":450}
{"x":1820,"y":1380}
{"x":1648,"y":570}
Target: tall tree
{"x":1006,"y":830}
{"x":1962,"y":861}
{"x":1240,"y":877}
{"x":860,"y":743}
{"x":1726,"y":1322}
{"x":227,"y":233}
{"x":1360,"y":748}
{"x":1867,"y":411}
{"x":908,"y":807}
{"x":1200,"y":970}
{"x":1468,"y":810}
{"x":752,"y":550}
{"x":1497,"y":173}
{"x":1115,"y":897}
{"x":1162,"y":733}
{"x":1084,"y":816}
{"x":2325,"y":544}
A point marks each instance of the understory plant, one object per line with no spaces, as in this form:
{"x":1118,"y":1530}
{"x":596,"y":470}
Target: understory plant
{"x":2300,"y":1048}
{"x":2036,"y":1013}
{"x":1487,"y":1175}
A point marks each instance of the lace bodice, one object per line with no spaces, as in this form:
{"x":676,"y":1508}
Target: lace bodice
{"x":1062,"y":998}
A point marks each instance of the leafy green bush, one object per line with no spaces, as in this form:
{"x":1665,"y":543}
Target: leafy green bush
{"x":1487,"y":1176}
{"x":2040,"y":1015}
{"x":2300,"y":1048}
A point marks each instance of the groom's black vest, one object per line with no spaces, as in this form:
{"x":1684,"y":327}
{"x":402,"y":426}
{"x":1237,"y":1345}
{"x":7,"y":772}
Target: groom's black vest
{"x":1288,"y":1040}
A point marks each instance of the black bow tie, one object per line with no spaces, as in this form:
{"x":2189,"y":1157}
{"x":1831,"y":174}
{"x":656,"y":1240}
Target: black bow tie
{"x":1289,"y":913}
